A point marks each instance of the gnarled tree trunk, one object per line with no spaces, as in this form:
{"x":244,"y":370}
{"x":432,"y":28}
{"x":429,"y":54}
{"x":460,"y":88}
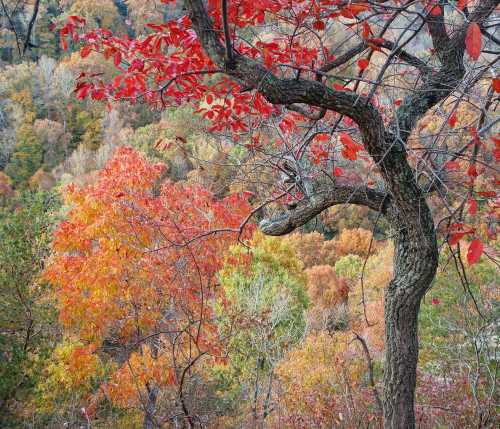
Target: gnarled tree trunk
{"x":415,"y":263}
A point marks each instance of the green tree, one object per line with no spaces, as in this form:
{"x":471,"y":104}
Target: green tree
{"x":266,"y":318}
{"x":26,"y":314}
{"x":27,"y":156}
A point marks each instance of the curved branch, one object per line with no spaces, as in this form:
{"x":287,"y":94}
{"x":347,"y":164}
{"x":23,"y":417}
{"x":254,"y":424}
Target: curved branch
{"x":334,"y":195}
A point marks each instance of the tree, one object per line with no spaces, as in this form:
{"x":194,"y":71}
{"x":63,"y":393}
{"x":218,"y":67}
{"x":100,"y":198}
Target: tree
{"x":19,"y":19}
{"x":27,"y":317}
{"x":264,"y":319}
{"x":133,"y":270}
{"x":289,"y":84}
{"x":27,"y":156}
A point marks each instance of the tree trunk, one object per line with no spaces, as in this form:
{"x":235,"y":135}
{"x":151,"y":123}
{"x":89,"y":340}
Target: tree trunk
{"x":151,"y":390}
{"x":415,"y":263}
{"x":149,"y":420}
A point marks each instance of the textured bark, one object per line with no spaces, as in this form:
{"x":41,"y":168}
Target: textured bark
{"x":415,"y":264}
{"x":321,"y":200}
{"x":402,"y":202}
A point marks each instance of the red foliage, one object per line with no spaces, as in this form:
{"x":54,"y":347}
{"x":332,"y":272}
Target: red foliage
{"x":473,"y":40}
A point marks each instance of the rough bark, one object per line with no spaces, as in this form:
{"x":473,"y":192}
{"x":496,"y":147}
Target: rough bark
{"x":415,"y":264}
{"x":402,"y":201}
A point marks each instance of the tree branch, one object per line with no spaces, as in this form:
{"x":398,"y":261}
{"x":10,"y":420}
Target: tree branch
{"x":227,"y":35}
{"x":251,"y":74}
{"x":31,"y":24}
{"x":438,"y":86}
{"x":387,"y":44}
{"x":333,"y":195}
{"x":370,"y":371}
{"x":437,"y":30}
{"x":12,"y":26}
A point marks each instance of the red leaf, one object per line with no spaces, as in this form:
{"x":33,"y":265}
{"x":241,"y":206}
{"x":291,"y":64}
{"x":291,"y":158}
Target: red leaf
{"x":117,"y":81}
{"x":452,"y":165}
{"x":452,"y":120}
{"x":377,"y":40}
{"x":350,"y":149}
{"x":475,"y":251}
{"x":98,"y":94}
{"x":487,"y":194}
{"x":436,"y":301}
{"x":363,"y":63}
{"x":435,"y":10}
{"x":366,"y":30}
{"x":354,"y":9}
{"x":77,"y":20}
{"x":495,"y":83}
{"x":472,"y":206}
{"x":85,"y":52}
{"x":337,"y":172}
{"x":473,"y":40}
{"x":346,"y":139}
{"x":322,"y":137}
{"x":117,"y":58}
{"x":455,"y":238}
{"x":64,"y":42}
{"x":472,"y":171}
{"x":82,"y":90}
{"x":318,"y":25}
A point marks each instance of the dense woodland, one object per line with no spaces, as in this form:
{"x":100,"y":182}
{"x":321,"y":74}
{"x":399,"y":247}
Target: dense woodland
{"x":237,"y":214}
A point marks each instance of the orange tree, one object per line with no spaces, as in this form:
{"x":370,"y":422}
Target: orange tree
{"x":331,"y":93}
{"x":134,"y":275}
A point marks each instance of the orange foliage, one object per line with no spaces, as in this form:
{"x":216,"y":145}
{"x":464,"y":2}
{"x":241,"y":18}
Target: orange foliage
{"x":324,"y":287}
{"x":312,"y":249}
{"x":135,"y":259}
{"x":353,"y":242}
{"x":323,"y":385}
{"x":328,"y":294}
{"x":5,"y":185}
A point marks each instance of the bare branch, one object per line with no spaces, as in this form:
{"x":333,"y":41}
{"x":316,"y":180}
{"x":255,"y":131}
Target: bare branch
{"x":334,"y":195}
{"x":370,"y":371}
{"x":27,"y":43}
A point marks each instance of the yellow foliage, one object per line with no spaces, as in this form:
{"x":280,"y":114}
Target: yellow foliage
{"x":340,"y":217}
{"x":313,"y":376}
{"x":98,"y":13}
{"x":5,"y":185}
{"x":353,"y":242}
{"x":70,"y":372}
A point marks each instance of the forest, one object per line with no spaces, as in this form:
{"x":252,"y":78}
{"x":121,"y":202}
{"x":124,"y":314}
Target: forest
{"x":255,"y":214}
